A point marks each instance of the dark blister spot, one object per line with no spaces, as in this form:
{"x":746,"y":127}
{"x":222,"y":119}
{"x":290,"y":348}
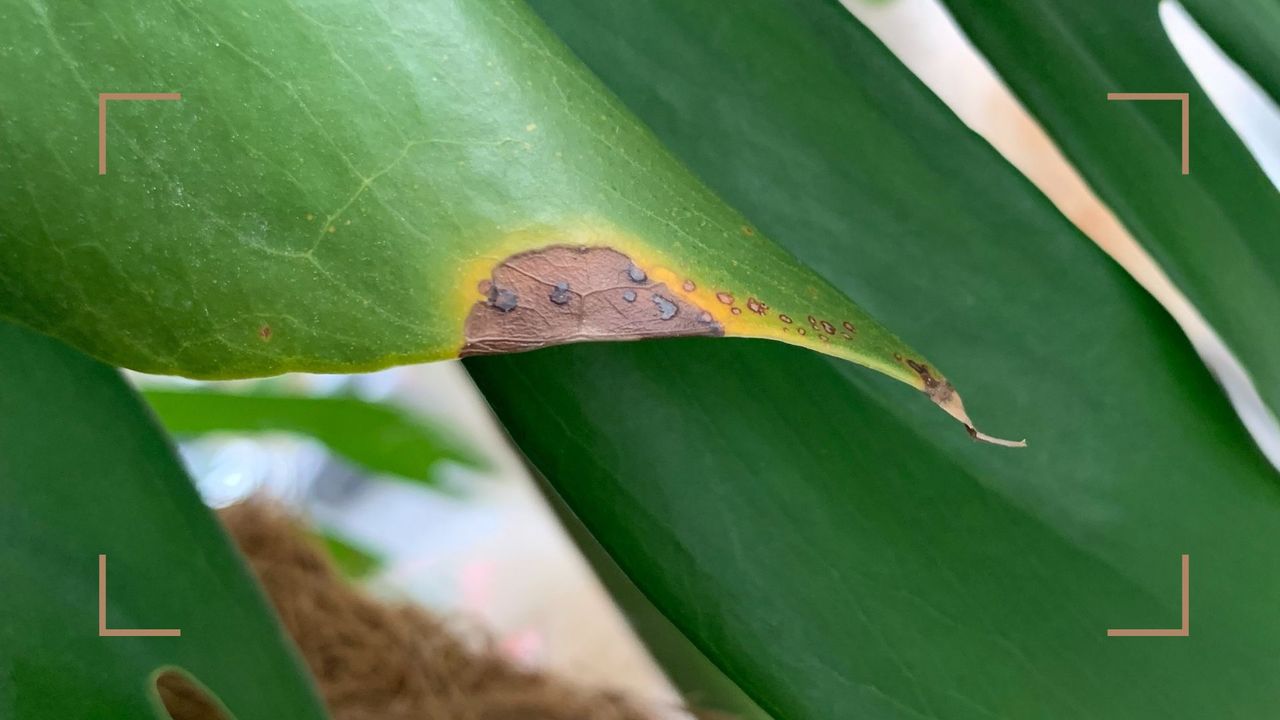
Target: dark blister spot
{"x":925,"y":374}
{"x":629,"y":295}
{"x":502,"y":299}
{"x":666,"y":308}
{"x":560,"y":293}
{"x":636,"y":274}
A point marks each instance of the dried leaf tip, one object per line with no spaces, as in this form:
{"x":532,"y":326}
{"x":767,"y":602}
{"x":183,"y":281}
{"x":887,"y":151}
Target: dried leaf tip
{"x":945,"y":396}
{"x":983,"y":437}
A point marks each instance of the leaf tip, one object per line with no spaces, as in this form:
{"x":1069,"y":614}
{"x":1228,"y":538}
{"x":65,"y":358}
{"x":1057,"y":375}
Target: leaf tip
{"x":944,"y":395}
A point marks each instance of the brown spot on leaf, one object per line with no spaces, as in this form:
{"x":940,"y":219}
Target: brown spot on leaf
{"x":756,"y":306}
{"x":689,"y":286}
{"x":264,"y":332}
{"x":748,"y":230}
{"x":849,"y":326}
{"x":725,"y":298}
{"x":940,"y":391}
{"x":828,"y":327}
{"x":599,"y":287}
{"x":785,"y":318}
{"x":735,"y":310}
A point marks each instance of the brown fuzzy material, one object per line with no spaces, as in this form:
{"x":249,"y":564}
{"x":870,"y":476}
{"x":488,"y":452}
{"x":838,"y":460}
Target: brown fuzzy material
{"x":379,"y":661}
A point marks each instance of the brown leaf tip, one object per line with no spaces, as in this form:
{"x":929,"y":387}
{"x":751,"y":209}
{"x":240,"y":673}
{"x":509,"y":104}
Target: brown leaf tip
{"x":944,"y":395}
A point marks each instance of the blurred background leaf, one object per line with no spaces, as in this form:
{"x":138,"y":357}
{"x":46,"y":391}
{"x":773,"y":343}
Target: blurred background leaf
{"x":351,"y":560}
{"x":1213,"y":231}
{"x":1249,"y":32}
{"x":379,"y":438}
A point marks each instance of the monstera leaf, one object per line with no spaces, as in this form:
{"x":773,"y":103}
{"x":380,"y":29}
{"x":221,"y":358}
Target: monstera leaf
{"x":344,"y":186}
{"x":819,"y":540}
{"x":85,"y":472}
{"x":1215,"y":229}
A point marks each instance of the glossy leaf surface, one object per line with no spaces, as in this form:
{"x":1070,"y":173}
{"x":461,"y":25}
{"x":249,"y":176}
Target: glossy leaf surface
{"x":344,"y":186}
{"x":820,"y":541}
{"x":1214,"y":230}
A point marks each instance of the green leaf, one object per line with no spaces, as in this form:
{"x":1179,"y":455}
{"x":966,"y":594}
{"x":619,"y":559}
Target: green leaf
{"x":352,"y":561}
{"x":701,"y":684}
{"x":85,"y":472}
{"x":1248,"y":31}
{"x":1214,"y":231}
{"x":817,"y":538}
{"x":379,"y":438}
{"x":347,"y":185}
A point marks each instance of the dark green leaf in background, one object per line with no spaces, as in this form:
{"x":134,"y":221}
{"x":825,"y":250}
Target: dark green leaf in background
{"x":830,"y":550}
{"x":85,"y":471}
{"x":1215,"y":231}
{"x":1249,"y":32}
{"x":380,"y":438}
